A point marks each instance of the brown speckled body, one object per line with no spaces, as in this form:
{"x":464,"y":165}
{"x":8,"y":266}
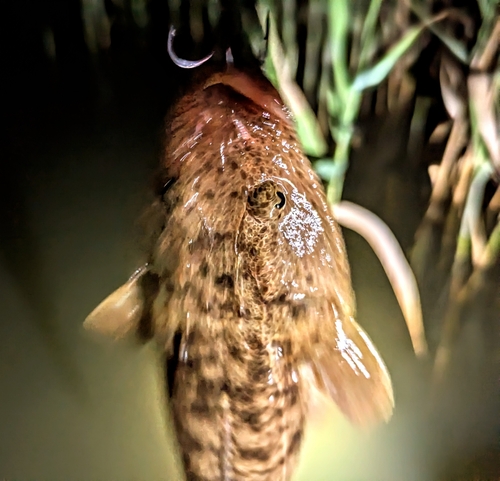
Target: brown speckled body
{"x":254,"y":287}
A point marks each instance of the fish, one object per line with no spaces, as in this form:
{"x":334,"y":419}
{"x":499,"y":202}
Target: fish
{"x":247,"y":287}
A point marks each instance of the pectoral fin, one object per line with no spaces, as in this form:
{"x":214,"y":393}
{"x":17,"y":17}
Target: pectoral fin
{"x":122,"y":312}
{"x":351,"y":372}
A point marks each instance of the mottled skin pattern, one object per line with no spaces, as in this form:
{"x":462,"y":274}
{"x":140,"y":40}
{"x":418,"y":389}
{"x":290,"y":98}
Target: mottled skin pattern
{"x":254,"y":282}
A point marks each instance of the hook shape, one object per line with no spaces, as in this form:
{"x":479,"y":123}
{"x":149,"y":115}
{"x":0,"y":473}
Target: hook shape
{"x":180,"y":62}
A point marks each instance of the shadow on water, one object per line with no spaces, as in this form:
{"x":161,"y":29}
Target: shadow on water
{"x":28,"y":109}
{"x":82,"y":141}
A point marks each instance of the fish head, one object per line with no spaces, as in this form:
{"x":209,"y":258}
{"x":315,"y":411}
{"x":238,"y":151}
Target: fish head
{"x":234,"y":167}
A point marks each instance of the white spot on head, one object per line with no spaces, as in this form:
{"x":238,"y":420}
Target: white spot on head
{"x":278,"y":160}
{"x":302,"y":226}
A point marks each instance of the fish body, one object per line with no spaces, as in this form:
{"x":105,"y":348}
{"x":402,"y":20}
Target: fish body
{"x":253,"y":306}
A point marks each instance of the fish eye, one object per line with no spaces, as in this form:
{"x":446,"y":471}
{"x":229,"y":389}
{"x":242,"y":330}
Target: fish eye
{"x":282,"y":201}
{"x":266,"y":201}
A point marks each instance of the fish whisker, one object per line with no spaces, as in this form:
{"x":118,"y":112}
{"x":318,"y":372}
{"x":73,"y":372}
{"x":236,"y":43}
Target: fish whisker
{"x":181,"y":62}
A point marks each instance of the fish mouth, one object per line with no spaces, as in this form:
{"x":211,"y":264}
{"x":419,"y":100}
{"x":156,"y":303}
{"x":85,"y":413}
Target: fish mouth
{"x":258,"y":90}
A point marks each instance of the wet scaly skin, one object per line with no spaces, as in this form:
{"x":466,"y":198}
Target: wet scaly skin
{"x":248,"y":288}
{"x":256,"y":283}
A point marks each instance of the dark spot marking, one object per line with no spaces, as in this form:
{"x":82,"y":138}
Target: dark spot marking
{"x":220,"y":237}
{"x":225,"y":281}
{"x":243,"y":394}
{"x":253,"y":251}
{"x":293,"y":396}
{"x":186,"y":459}
{"x":309,"y":278}
{"x":251,"y":418}
{"x":236,"y":353}
{"x":259,"y":454}
{"x":234,"y":194}
{"x":297,"y":310}
{"x":205,"y":388}
{"x":227,"y":306}
{"x":186,"y":287}
{"x":204,"y":268}
{"x":233,"y":165}
{"x":192,"y":363}
{"x":200,"y":171}
{"x":295,"y":442}
{"x":190,"y":476}
{"x":220,"y":170}
{"x":260,"y":374}
{"x":243,"y":174}
{"x":209,"y":194}
{"x":211,"y":359}
{"x":189,"y":443}
{"x":255,"y":342}
{"x":191,"y":337}
{"x":200,"y":407}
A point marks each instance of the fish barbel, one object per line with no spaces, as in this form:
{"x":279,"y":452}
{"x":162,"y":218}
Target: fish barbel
{"x":252,"y":304}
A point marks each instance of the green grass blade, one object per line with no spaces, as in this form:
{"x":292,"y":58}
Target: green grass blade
{"x":325,"y":168}
{"x":278,"y":72}
{"x":368,"y":32}
{"x":374,"y":75}
{"x":338,"y":25}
